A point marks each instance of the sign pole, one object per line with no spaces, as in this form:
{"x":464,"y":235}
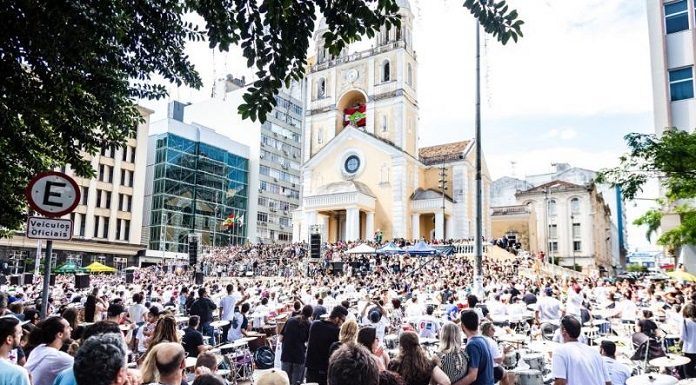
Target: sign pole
{"x":47,"y":278}
{"x":37,"y":261}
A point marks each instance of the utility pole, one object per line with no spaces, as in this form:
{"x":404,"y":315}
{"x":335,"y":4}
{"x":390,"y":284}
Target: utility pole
{"x":478,"y":254}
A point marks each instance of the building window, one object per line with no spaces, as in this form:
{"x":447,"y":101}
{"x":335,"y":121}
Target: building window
{"x":386,"y":73}
{"x":384,"y":123}
{"x":124,"y":153}
{"x":126,"y":230}
{"x":102,"y":172}
{"x":320,"y":136}
{"x":110,"y":169}
{"x":553,"y":231}
{"x":85,"y":195}
{"x":130,"y":178}
{"x":120,"y":202}
{"x":681,"y":85}
{"x":129,"y":202}
{"x":96,"y":226}
{"x":577,"y":246}
{"x":409,"y":75}
{"x":118,"y":229}
{"x":262,"y":217}
{"x":105,"y":233}
{"x":321,"y":88}
{"x":99,"y":198}
{"x":676,"y":16}
{"x":575,"y":206}
{"x":551,"y":208}
{"x":553,"y":247}
{"x":132,"y":154}
{"x":576,"y":231}
{"x":83,"y":223}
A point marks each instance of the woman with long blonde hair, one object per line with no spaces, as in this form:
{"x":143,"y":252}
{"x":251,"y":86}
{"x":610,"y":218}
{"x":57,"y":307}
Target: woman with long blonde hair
{"x":348,"y":334}
{"x":453,"y":358}
{"x":165,"y":331}
{"x":414,"y":366}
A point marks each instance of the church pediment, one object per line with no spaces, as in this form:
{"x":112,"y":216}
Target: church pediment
{"x":345,"y":137}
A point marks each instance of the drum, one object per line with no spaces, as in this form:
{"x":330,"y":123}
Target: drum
{"x":391,"y":341}
{"x":535,"y":361}
{"x":510,"y":360}
{"x":280,"y":322}
{"x":529,"y":377}
{"x":260,"y":341}
{"x":670,"y":341}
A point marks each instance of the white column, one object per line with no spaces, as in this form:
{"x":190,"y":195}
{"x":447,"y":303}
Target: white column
{"x":369,"y":224}
{"x":449,"y":227}
{"x":309,"y":220}
{"x":352,"y":224}
{"x":324,"y":228}
{"x":439,"y":225}
{"x":415,"y":226}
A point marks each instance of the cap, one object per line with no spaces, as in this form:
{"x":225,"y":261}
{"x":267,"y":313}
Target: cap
{"x":273,"y":377}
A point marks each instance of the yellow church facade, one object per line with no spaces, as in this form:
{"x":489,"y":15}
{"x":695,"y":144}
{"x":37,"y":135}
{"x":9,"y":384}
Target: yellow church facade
{"x":362,"y":170}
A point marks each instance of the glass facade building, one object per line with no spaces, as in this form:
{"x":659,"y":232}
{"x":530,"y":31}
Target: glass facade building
{"x":196,"y":186}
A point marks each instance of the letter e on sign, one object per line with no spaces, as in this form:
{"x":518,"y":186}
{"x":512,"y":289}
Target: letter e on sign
{"x":53,"y":194}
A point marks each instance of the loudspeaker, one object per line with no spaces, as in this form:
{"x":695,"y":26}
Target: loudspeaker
{"x":315,"y":245}
{"x":193,"y":251}
{"x":199,"y":278}
{"x":337,"y":268}
{"x":14,"y":280}
{"x":129,"y":277}
{"x":81,"y":281}
{"x":28,"y":278}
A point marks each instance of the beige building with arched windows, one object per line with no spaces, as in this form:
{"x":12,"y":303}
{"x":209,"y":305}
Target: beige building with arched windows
{"x":363,"y":170}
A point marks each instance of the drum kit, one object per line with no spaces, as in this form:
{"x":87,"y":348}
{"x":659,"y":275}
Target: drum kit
{"x":237,"y":362}
{"x":651,"y":379}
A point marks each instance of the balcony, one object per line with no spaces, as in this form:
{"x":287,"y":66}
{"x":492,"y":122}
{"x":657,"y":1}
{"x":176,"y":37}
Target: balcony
{"x":359,"y":55}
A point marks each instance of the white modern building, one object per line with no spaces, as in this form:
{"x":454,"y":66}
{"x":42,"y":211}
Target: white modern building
{"x":672,"y":36}
{"x":671,"y":26}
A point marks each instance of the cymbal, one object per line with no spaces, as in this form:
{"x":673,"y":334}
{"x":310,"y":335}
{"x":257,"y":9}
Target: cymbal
{"x":670,"y":361}
{"x":543,"y":346}
{"x":651,"y":379}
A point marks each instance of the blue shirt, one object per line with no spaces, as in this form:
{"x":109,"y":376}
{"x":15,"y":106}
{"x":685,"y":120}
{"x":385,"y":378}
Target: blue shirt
{"x":66,"y":377}
{"x":480,"y":358}
{"x":11,"y":374}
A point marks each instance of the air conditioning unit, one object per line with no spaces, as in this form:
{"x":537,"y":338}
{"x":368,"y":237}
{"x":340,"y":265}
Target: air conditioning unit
{"x":293,"y":185}
{"x":275,"y":179}
{"x":260,"y":190}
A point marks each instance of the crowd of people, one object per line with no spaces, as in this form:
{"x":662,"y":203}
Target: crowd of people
{"x":397,"y":319}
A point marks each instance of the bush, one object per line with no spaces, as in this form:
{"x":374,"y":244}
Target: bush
{"x":635,"y":268}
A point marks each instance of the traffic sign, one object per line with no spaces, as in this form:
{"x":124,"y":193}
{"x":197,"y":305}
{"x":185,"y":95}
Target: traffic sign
{"x":53,"y":194}
{"x":49,"y":228}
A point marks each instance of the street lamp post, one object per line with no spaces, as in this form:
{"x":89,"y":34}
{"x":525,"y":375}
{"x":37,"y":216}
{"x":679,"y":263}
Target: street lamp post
{"x":478,"y":266}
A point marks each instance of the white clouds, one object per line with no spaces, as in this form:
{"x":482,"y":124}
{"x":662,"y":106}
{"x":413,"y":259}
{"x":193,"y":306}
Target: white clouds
{"x":561,"y":133}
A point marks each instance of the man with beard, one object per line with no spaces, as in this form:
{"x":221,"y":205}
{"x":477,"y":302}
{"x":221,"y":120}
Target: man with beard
{"x":46,"y":360}
{"x":10,"y":336}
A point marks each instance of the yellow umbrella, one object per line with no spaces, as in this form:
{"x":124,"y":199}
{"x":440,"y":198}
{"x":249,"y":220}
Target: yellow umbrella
{"x":682,"y":275}
{"x":97,"y":267}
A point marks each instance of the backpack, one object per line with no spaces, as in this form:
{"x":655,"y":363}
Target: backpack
{"x":264,"y":358}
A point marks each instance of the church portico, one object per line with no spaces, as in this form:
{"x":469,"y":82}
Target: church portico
{"x":428,"y":219}
{"x":345,"y":211}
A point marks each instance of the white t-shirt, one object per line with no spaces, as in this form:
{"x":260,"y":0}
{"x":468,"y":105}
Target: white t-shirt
{"x":227,"y":305}
{"x":495,"y":351}
{"x":628,"y":310}
{"x":136,"y":312}
{"x":618,"y":372}
{"x":235,"y":331}
{"x":549,"y":309}
{"x":44,"y":364}
{"x":579,"y":364}
{"x":428,"y":326}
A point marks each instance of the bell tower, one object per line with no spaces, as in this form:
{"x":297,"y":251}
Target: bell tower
{"x":372,"y":90}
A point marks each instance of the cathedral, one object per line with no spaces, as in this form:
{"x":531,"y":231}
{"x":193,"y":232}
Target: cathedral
{"x":362,"y":170}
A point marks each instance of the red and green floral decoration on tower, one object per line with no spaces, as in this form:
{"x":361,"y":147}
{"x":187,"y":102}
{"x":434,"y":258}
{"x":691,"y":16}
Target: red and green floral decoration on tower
{"x":355,"y":116}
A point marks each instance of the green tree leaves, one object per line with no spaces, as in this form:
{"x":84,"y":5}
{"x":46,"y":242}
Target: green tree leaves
{"x":73,"y":68}
{"x":672,"y":159}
